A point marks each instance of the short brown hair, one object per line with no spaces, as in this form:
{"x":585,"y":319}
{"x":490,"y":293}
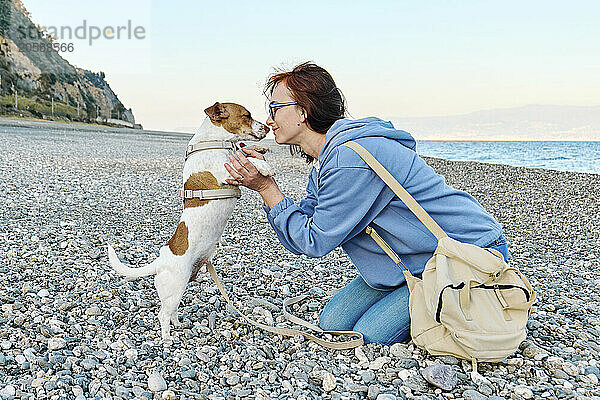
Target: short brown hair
{"x":313,"y":88}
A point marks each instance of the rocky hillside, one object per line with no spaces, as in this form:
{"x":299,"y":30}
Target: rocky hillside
{"x":33,"y":70}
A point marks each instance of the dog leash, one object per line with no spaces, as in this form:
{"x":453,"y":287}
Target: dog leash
{"x":358,"y":341}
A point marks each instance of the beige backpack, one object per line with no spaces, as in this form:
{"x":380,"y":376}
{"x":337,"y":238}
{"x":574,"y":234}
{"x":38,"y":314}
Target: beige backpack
{"x":469,"y":302}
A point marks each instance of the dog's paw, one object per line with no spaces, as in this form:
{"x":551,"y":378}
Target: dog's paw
{"x":262,"y":166}
{"x":165,"y":334}
{"x":175,"y":321}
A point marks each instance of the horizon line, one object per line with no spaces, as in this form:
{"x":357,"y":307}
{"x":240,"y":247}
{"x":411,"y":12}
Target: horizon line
{"x":497,"y":109}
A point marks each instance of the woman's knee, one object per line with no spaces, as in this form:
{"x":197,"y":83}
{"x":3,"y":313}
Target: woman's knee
{"x":330,"y":320}
{"x":387,"y":321}
{"x":381,"y":334}
{"x":348,"y":305}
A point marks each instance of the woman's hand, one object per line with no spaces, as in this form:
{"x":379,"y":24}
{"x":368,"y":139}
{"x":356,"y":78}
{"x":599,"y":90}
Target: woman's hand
{"x":245,"y":173}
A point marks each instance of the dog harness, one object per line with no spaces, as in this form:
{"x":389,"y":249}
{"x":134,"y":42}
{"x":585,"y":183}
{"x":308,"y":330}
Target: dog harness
{"x":211,"y":194}
{"x":210,"y":145}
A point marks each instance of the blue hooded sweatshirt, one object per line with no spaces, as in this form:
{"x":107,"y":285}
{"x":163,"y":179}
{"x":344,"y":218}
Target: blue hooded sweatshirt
{"x":344,"y":196}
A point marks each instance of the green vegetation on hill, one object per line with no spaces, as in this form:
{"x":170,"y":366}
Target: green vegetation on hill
{"x":39,"y":108}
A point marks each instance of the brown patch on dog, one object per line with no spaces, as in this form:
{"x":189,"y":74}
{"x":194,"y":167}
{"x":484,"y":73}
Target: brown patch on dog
{"x":179,"y":241}
{"x":217,"y":112}
{"x":234,"y":118}
{"x":200,"y":181}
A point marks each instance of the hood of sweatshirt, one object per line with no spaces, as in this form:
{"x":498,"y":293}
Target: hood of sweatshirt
{"x":344,"y":130}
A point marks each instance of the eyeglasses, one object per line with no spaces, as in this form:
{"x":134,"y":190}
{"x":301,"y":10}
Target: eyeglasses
{"x":273,"y":107}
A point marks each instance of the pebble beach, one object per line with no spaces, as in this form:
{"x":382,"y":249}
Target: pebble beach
{"x":71,"y":328}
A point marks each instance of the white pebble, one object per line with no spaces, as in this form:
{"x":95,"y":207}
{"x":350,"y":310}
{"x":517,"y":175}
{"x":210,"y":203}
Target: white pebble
{"x":406,"y":390}
{"x":517,"y":362}
{"x":404,"y":374}
{"x":400,"y":350}
{"x":37,"y":382}
{"x":202,"y":356}
{"x":593,"y":379}
{"x":386,"y":396}
{"x":156,"y":382}
{"x":328,"y":382}
{"x":378,"y":363}
{"x":94,"y":310}
{"x":131,"y":353}
{"x":118,"y":345}
{"x":169,"y":395}
{"x":360,"y":354}
{"x":29,"y":354}
{"x":570,"y":369}
{"x":523,"y":391}
{"x":56,"y":343}
{"x":554,"y":362}
{"x":8,"y":391}
{"x":94,"y":386}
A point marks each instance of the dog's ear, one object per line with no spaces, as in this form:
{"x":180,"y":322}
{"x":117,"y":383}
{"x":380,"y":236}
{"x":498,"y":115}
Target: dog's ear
{"x":217,"y":111}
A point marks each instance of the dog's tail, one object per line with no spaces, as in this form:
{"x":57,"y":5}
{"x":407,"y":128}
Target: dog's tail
{"x":129,"y":272}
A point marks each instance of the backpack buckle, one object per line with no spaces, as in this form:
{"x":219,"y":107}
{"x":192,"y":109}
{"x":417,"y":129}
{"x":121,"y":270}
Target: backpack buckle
{"x":495,"y":275}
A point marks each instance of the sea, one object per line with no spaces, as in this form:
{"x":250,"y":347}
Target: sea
{"x":561,"y":156}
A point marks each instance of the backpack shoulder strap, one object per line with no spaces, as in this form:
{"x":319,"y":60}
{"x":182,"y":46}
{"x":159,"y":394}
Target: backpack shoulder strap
{"x":389,"y":180}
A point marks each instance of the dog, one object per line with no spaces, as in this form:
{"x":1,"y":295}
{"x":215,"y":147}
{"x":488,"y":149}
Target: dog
{"x":203,"y":220}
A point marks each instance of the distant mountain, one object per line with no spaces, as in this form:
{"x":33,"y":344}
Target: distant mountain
{"x":531,"y":122}
{"x":31,"y":68}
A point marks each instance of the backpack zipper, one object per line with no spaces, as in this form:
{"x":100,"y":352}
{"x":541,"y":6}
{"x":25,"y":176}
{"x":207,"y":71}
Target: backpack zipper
{"x":496,"y":287}
{"x":462,"y":285}
{"x":439,"y":307}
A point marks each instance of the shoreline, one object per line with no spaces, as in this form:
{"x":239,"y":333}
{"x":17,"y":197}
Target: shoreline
{"x":74,"y":126}
{"x":509,"y":165}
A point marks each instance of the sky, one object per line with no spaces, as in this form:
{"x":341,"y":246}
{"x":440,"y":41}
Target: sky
{"x":391,"y":59}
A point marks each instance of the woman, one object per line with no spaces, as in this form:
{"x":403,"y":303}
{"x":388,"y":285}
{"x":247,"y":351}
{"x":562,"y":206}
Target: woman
{"x":344,"y":196}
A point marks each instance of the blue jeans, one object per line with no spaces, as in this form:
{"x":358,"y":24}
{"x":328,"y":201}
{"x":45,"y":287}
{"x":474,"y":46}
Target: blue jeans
{"x":381,"y":316}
